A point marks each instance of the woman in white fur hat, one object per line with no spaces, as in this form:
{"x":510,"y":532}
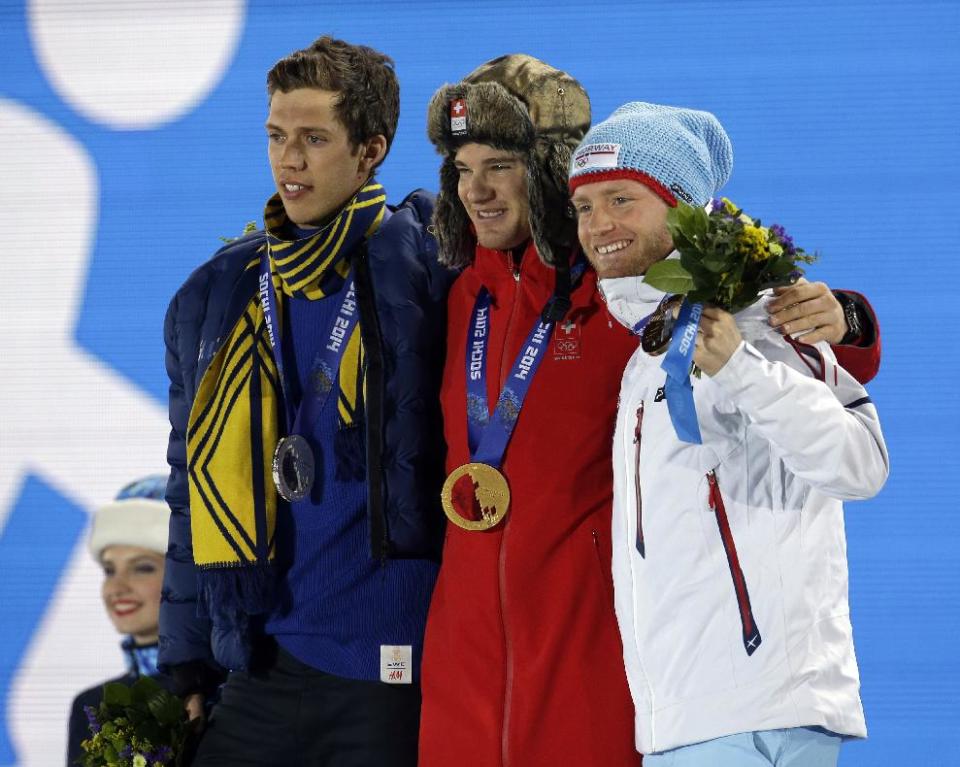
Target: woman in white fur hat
{"x":129,"y":541}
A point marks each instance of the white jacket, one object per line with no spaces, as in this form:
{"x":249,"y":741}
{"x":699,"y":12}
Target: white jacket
{"x":736,"y":619}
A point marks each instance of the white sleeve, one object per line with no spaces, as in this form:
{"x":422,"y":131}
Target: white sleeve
{"x":819,"y":419}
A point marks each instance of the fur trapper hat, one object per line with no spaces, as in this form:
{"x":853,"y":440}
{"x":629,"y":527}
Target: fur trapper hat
{"x":515,"y":103}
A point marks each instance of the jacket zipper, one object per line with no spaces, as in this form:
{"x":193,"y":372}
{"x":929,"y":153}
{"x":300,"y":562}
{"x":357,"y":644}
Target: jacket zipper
{"x":633,"y":565}
{"x":508,"y":654}
{"x":637,"y":439}
{"x":751,"y":634}
{"x":508,"y":650}
{"x":504,"y":368}
{"x":373,"y":405}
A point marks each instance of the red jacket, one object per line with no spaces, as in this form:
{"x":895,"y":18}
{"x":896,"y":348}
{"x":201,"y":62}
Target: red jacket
{"x":522,"y":662}
{"x":522,"y":658}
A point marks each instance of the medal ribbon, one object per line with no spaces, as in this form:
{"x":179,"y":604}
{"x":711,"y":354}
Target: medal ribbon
{"x":329,"y":359}
{"x":488,"y":436}
{"x":678,"y":389}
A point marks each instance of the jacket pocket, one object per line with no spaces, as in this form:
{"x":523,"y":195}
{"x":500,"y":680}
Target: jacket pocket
{"x":750,"y":632}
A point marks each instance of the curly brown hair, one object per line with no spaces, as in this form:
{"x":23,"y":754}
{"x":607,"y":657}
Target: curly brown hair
{"x":369,"y":94}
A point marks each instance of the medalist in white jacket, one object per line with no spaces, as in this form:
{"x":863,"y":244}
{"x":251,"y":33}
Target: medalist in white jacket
{"x":735,"y":616}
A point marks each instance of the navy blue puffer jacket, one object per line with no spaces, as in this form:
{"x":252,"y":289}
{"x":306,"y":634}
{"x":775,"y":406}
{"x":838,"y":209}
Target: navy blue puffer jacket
{"x":401,"y":292}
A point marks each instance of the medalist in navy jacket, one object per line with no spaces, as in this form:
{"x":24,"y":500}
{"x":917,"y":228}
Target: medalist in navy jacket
{"x":401,"y":293}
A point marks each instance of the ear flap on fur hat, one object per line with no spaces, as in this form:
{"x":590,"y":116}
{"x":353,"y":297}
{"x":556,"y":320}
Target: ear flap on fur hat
{"x":450,"y":220}
{"x":559,"y":227}
{"x":516,"y":103}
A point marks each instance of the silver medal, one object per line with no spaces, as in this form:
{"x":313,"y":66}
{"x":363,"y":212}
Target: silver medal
{"x":293,"y":468}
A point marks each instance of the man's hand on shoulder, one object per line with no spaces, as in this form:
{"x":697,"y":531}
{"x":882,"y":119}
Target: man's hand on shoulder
{"x":808,"y":306}
{"x":717,"y":339}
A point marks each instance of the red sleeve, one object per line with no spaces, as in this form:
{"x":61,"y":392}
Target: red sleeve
{"x":862,"y":359}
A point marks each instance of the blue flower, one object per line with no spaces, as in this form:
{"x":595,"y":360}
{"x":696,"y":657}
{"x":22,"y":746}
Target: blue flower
{"x":92,"y":722}
{"x":785,"y":239}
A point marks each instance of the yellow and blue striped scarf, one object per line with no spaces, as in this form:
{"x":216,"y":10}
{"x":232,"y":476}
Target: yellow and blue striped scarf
{"x":236,"y":418}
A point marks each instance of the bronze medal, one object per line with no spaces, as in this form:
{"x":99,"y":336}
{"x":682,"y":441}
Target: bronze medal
{"x":655,"y":338}
{"x":293,"y":468}
{"x":475,"y":496}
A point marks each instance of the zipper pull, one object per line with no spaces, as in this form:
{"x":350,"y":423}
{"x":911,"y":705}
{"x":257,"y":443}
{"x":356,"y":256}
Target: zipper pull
{"x":637,"y":434}
{"x":639,"y":427}
{"x":714,"y":499}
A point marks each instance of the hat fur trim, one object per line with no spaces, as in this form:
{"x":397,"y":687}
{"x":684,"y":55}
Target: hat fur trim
{"x":142,"y":522}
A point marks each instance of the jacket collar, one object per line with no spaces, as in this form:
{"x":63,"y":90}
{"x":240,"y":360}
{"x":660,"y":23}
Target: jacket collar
{"x":498,"y":267}
{"x":630,"y":299}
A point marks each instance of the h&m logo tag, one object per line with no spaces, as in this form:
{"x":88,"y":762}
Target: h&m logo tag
{"x":396,"y":664}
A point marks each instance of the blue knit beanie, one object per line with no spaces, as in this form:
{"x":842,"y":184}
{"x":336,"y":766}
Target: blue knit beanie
{"x":679,"y":153}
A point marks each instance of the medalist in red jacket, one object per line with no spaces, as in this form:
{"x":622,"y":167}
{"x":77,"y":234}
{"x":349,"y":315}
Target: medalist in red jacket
{"x":522,"y":658}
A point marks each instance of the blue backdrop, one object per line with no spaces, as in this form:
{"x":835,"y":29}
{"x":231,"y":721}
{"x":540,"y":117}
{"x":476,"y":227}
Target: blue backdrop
{"x":131,"y":139}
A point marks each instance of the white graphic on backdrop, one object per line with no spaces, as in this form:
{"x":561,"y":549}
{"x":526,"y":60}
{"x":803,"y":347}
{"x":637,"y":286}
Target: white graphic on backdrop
{"x":69,"y":418}
{"x":136,"y":64}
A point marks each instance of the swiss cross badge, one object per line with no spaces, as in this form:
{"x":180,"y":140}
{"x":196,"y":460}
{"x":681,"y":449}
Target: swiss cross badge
{"x":458,"y":116}
{"x":566,"y":341}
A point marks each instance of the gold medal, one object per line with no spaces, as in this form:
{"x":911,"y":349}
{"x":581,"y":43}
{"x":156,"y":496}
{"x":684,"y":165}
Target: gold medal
{"x":475,"y":496}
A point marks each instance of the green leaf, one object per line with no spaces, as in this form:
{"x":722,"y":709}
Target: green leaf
{"x":669,"y":276}
{"x":116,"y":694}
{"x":166,"y":709}
{"x":699,"y":222}
{"x":780,"y":268}
{"x":250,"y":226}
{"x":683,"y":245}
{"x":690,"y":260}
{"x":144,"y":688}
{"x":673,"y":218}
{"x":716,"y":264}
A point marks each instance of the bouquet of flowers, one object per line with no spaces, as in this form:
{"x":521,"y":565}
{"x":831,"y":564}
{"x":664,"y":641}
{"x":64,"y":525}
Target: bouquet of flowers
{"x":726,"y":257}
{"x":138,"y":726}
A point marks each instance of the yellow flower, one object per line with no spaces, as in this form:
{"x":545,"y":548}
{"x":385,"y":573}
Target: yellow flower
{"x":139,"y":760}
{"x":752,"y":243}
{"x":728,"y":206}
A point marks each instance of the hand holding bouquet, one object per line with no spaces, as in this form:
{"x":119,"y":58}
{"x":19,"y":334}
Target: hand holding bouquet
{"x":138,"y":726}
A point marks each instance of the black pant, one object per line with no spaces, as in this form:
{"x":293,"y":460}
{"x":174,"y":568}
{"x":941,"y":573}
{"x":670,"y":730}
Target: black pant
{"x":283,"y":713}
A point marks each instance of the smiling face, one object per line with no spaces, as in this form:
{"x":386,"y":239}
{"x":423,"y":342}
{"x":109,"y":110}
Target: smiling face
{"x":132,"y":579}
{"x":493,"y":190}
{"x":622,"y":226}
{"x":315,"y":167}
